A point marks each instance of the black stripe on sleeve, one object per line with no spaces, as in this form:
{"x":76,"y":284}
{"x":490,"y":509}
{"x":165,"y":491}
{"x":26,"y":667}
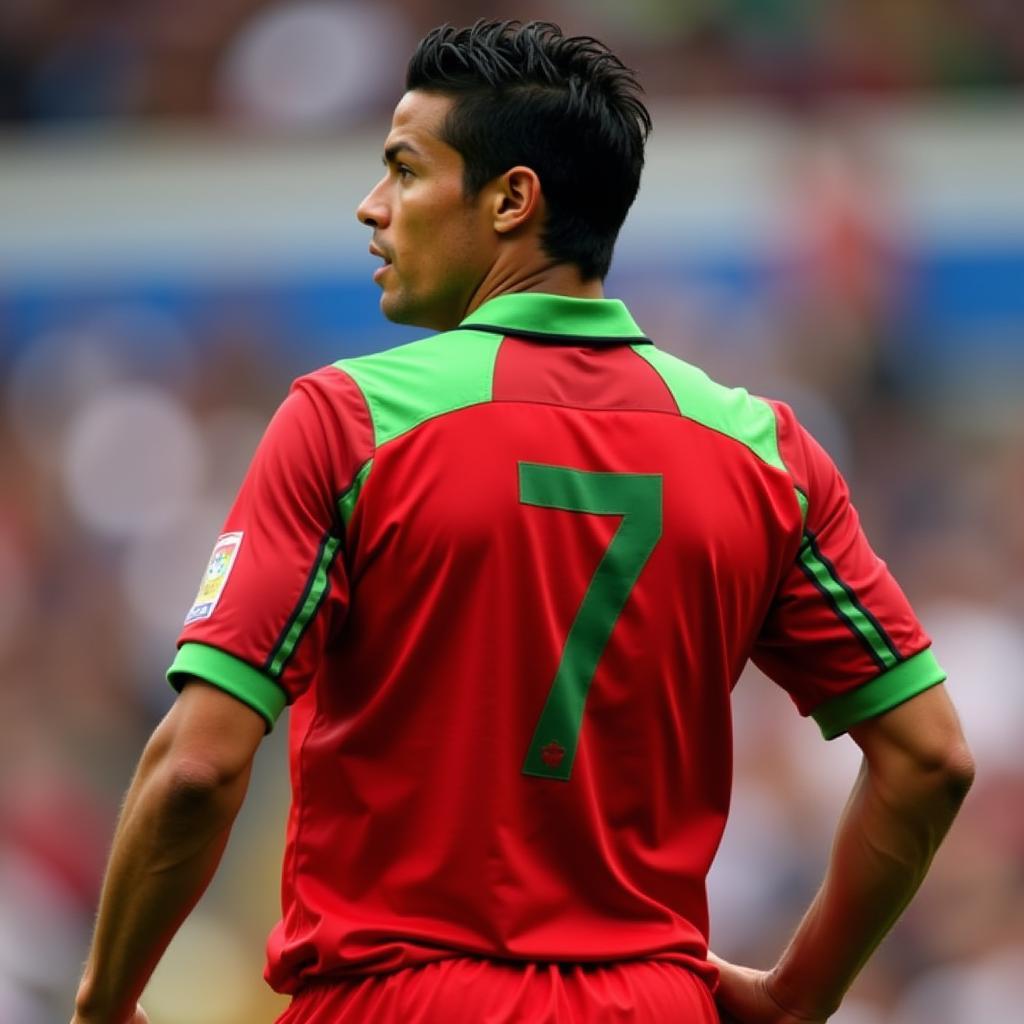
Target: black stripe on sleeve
{"x":841,"y":615}
{"x":282,"y":638}
{"x":855,"y":600}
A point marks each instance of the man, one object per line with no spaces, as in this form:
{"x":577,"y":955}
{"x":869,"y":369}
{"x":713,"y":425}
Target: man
{"x":507,"y":577}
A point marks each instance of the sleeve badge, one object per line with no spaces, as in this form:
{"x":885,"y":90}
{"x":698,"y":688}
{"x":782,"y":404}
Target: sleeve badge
{"x":222,"y":561}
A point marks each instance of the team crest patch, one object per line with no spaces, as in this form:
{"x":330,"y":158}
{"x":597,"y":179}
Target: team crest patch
{"x":225,"y":551}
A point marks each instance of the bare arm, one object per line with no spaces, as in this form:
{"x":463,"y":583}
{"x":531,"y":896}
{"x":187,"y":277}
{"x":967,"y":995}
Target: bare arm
{"x":173,"y":828}
{"x":916,"y":772}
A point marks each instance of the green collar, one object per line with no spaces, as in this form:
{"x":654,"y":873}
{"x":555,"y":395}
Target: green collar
{"x":543,"y":317}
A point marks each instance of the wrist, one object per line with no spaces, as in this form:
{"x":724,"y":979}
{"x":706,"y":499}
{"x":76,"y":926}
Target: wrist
{"x":792,"y":999}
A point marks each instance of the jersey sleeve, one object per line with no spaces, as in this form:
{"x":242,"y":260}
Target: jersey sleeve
{"x":276,"y":585}
{"x":840,"y":636}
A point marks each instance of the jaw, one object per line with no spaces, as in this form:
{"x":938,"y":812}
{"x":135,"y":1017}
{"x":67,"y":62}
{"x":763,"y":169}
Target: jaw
{"x":400,"y":308}
{"x":440,"y":310}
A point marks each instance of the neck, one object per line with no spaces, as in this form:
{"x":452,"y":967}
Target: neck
{"x":554,"y":279}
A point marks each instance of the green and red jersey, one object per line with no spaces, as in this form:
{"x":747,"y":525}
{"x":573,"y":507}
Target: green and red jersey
{"x":507,"y":578}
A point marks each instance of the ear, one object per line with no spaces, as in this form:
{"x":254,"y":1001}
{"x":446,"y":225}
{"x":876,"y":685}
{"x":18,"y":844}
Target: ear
{"x":517,"y":200}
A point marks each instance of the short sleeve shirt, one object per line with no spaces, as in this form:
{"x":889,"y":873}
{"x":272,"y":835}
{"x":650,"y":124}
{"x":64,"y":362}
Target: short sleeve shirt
{"x":507,"y":577}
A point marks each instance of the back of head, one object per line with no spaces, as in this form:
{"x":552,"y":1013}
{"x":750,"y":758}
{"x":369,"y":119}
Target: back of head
{"x":564,"y":106}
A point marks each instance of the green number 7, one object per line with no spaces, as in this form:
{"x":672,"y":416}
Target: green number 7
{"x":637,"y":498}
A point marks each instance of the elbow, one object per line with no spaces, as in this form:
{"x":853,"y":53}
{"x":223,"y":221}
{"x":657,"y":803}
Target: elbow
{"x":193,"y":788}
{"x":917,"y":756}
{"x":194,"y":778}
{"x":959,"y":772}
{"x":947,"y":770}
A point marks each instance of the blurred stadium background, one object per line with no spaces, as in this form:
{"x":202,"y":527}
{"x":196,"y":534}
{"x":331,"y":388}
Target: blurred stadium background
{"x":833,"y":214}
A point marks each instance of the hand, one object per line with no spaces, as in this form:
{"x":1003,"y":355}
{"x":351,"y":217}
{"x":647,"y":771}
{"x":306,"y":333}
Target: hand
{"x":744,"y":997}
{"x":138,"y":1017}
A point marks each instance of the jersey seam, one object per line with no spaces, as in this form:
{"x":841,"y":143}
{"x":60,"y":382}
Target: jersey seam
{"x":339,"y":521}
{"x":428,"y":419}
{"x":873,"y":679}
{"x":231,"y":654}
{"x":718,"y":430}
{"x":677,"y":415}
{"x":339,"y":528}
{"x":369,"y":416}
{"x":303,"y":806}
{"x":650,"y":368}
{"x":336,"y":518}
{"x":377,"y":444}
{"x":797,"y":489}
{"x":580,"y":408}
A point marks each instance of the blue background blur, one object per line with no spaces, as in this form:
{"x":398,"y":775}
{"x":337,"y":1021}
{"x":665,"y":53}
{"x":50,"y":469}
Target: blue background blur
{"x":832,"y":214}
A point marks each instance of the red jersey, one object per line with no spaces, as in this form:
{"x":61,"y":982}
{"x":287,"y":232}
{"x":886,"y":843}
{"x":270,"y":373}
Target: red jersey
{"x":507,"y":578}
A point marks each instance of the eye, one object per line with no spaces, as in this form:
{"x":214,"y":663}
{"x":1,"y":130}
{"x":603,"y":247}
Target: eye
{"x":404,"y":172}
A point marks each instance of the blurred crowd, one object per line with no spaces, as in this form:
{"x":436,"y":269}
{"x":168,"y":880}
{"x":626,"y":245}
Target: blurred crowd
{"x":235,"y":60}
{"x":126,"y":427}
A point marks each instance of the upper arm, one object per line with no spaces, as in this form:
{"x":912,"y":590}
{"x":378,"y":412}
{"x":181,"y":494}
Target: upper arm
{"x":921,"y":735}
{"x":277,"y":584}
{"x":209,"y":732}
{"x":840,"y":636}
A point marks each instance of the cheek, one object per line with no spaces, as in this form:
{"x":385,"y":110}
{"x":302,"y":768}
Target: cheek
{"x":461,"y":237}
{"x":441,"y":237}
{"x":430,"y":247}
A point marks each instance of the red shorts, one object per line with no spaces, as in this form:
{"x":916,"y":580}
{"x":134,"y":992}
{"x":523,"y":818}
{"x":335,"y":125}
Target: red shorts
{"x":470,"y":991}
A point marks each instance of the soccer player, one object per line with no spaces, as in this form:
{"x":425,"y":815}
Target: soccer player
{"x":506,"y":577}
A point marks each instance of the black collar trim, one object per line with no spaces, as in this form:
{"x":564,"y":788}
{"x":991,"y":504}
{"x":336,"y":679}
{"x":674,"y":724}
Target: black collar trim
{"x":560,"y":339}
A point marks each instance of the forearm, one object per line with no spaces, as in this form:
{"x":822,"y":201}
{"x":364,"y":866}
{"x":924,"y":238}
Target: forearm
{"x":883,"y":847}
{"x":169,"y":840}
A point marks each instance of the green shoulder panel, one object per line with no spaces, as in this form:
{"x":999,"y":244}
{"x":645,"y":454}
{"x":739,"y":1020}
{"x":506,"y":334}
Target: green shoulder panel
{"x":407,"y":385}
{"x":730,"y":411}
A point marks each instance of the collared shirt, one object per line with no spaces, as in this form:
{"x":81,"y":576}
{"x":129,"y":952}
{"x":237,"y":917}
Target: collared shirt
{"x":507,"y":577}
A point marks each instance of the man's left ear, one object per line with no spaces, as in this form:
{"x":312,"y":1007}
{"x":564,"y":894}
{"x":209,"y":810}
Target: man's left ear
{"x":517,"y":199}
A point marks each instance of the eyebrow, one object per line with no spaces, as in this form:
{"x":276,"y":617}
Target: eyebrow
{"x":392,"y":151}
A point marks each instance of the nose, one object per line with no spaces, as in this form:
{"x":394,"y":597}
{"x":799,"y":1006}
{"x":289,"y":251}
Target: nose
{"x":373,"y":210}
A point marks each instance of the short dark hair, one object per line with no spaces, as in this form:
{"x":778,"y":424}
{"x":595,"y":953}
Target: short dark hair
{"x":565,"y":106}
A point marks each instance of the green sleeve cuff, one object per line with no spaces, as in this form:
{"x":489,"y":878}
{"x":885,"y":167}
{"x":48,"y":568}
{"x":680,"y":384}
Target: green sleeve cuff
{"x":883,"y":693}
{"x":232,"y":675}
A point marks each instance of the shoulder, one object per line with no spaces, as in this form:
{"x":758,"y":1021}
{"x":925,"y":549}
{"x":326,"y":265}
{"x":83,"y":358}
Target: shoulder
{"x":749,"y":419}
{"x":407,"y":385}
{"x":451,"y":353}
